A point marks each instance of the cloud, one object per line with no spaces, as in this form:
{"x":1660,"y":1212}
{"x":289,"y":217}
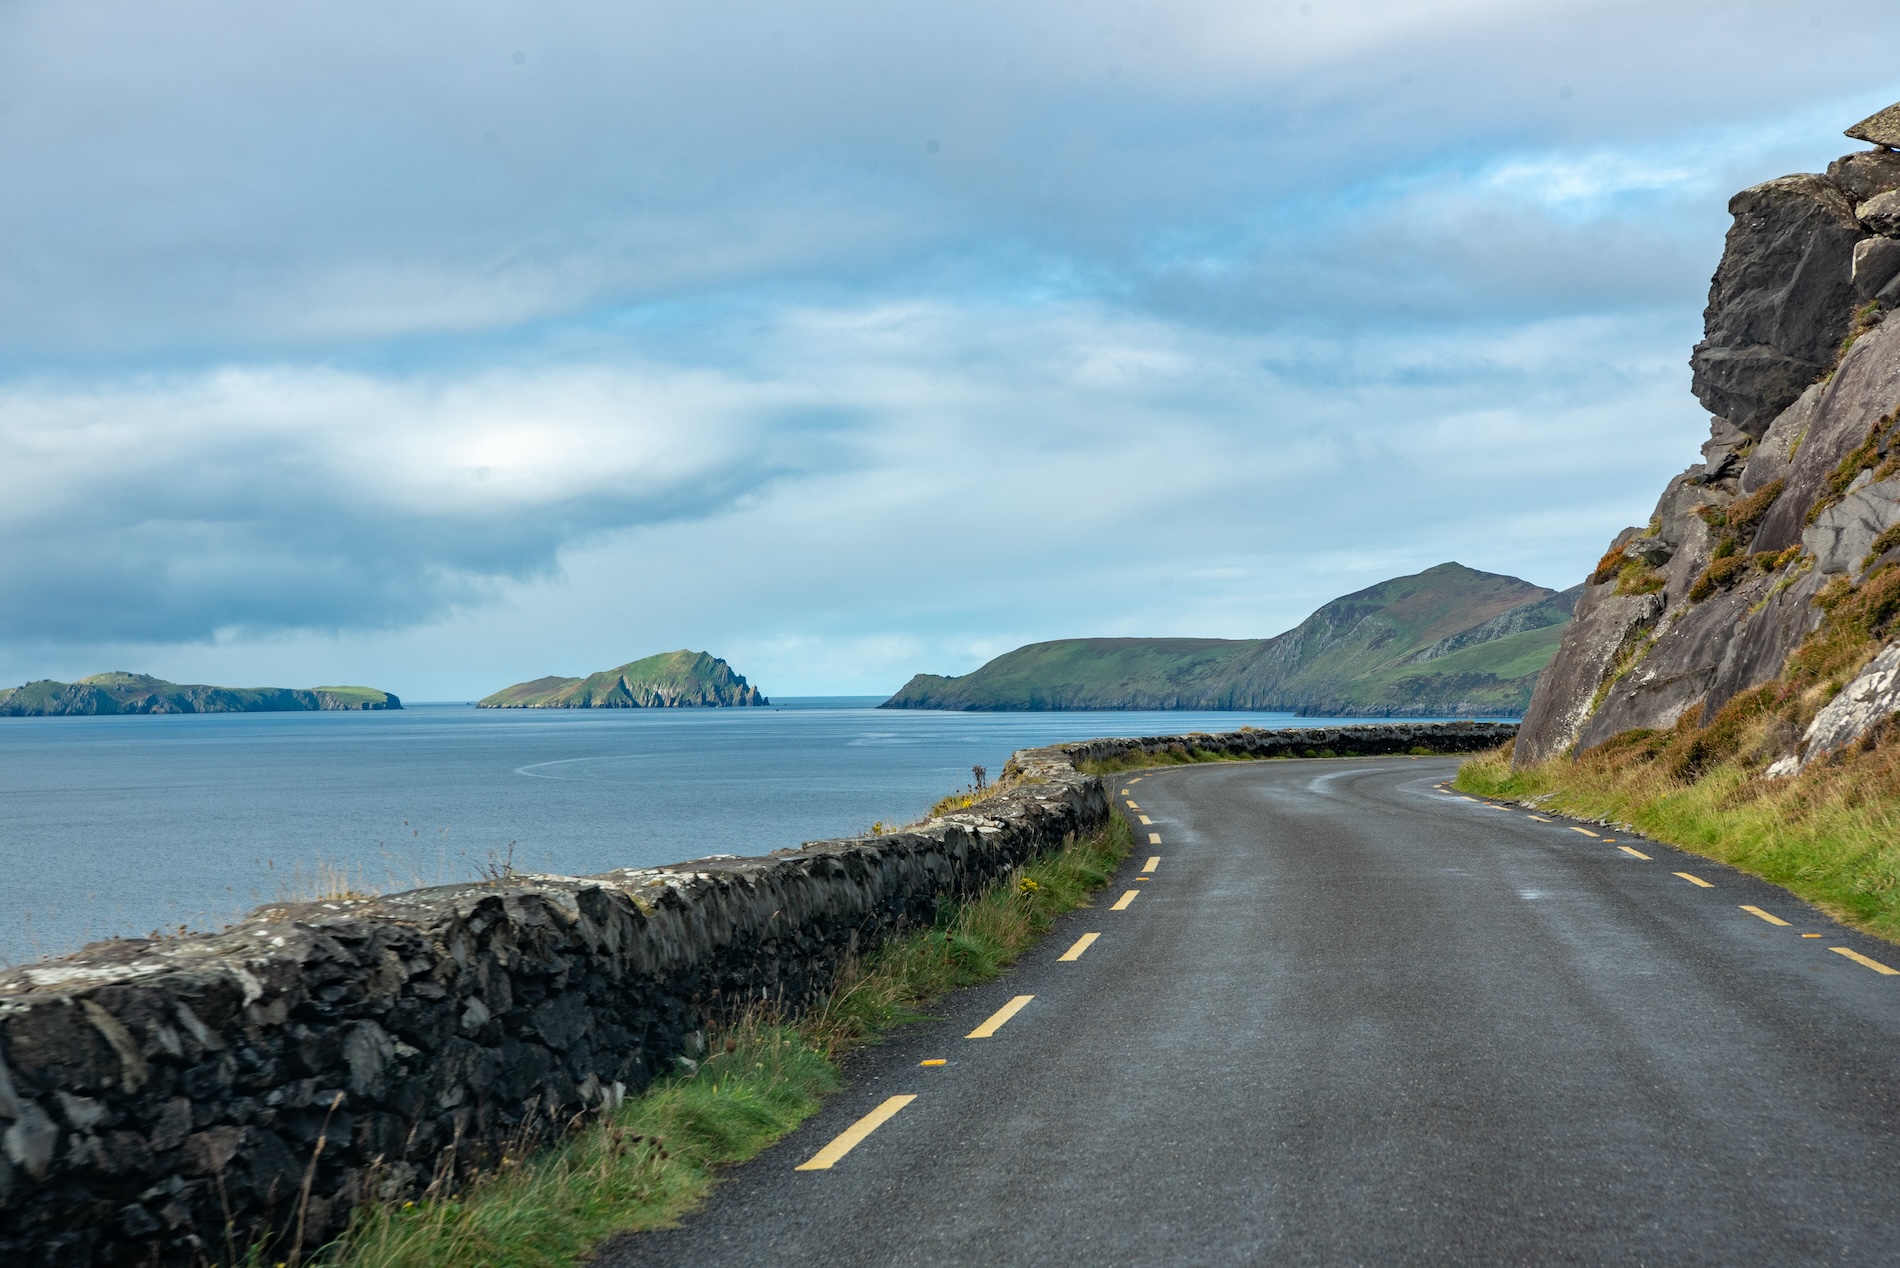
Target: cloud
{"x":265,"y":499}
{"x":833,"y":328}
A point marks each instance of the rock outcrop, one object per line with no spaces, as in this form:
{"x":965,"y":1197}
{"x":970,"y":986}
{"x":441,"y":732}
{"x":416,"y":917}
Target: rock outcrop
{"x":1799,"y":482}
{"x":669,"y":680}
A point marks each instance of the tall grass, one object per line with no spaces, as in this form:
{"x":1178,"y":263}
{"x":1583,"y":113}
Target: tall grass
{"x":654,"y":1159}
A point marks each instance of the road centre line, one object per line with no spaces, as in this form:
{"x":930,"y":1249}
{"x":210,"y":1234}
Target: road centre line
{"x":1124,"y":792}
{"x":1082,"y":944}
{"x":1154,"y":838}
{"x":1154,"y":861}
{"x":1858,"y":958}
{"x":1121,"y":904}
{"x":1694,"y":880}
{"x":1133,"y":806}
{"x":1585,"y":831}
{"x":853,"y":1136}
{"x":1540,"y":820}
{"x":996,"y":1019}
{"x":1771,"y":919}
{"x":1638,"y":853}
{"x":1145,"y":819}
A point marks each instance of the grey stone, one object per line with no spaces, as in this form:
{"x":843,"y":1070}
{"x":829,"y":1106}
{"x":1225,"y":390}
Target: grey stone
{"x":82,"y":1112}
{"x":1866,"y":173}
{"x":1881,"y":213}
{"x":1774,"y":453}
{"x":1780,"y":301}
{"x":1866,"y":702}
{"x":1876,"y":263}
{"x":1560,"y":705}
{"x":1863,"y":390}
{"x":1842,"y":534}
{"x":30,"y":1140}
{"x":1676,"y":674}
{"x":9,"y":1099}
{"x":368,"y":1050}
{"x":1879,"y":128}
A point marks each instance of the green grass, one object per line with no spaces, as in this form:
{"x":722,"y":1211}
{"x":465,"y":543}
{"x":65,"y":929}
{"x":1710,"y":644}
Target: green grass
{"x":655,"y":1158}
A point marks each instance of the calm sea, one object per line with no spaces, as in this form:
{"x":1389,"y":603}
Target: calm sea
{"x":124,"y":825}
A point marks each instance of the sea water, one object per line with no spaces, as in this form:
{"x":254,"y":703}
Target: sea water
{"x":123,"y":825}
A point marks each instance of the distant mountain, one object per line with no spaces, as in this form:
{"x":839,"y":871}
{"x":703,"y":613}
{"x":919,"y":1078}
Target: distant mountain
{"x":141,"y":693}
{"x":671,"y":680}
{"x":1449,"y":640}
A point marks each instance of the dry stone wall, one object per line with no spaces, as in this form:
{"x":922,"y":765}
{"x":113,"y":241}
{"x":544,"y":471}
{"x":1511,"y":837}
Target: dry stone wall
{"x":163,"y":1101}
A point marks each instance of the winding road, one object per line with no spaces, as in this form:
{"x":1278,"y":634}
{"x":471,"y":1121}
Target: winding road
{"x":1352,"y":1017}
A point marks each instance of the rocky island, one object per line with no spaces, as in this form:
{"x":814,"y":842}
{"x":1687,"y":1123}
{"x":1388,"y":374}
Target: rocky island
{"x":670,"y":680}
{"x":1447,"y":641}
{"x":116,"y":693}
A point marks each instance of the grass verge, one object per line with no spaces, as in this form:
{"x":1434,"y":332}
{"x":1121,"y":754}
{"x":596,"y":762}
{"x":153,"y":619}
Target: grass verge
{"x":656,"y":1157}
{"x":1831,"y":836}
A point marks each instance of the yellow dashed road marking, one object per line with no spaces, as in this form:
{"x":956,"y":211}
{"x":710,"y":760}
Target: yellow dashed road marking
{"x":1145,"y":819}
{"x":1082,"y":944}
{"x":1695,"y":880}
{"x":1858,"y":958}
{"x":996,"y":1019}
{"x":1637,"y":853}
{"x":1133,"y":806}
{"x":1154,"y":861}
{"x":1154,"y":838}
{"x":853,"y":1136}
{"x":1756,"y":911}
{"x":1121,"y":904}
{"x":1585,"y":831}
{"x":1538,"y":819}
{"x":934,"y":1061}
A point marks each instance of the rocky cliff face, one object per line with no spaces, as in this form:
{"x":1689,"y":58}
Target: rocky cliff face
{"x":1798,"y":489}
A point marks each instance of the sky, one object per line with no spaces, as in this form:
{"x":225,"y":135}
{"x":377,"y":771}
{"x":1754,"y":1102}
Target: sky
{"x":441,"y":346}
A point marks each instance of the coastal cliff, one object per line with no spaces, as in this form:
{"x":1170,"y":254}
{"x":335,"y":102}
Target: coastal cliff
{"x":1767,"y":582}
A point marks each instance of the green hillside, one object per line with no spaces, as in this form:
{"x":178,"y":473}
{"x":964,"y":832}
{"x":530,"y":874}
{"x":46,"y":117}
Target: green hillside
{"x":670,"y":680}
{"x":1449,"y":640}
{"x":116,"y":693}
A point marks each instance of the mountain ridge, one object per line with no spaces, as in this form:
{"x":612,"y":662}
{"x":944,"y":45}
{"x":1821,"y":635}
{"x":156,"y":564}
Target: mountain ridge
{"x":1360,"y":654}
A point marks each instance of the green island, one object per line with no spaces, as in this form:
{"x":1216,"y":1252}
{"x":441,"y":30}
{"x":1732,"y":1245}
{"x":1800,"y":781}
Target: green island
{"x":120,"y":693}
{"x":670,"y":680}
{"x":1449,"y":640}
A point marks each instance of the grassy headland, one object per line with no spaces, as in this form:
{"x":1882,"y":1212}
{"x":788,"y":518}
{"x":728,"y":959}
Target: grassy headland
{"x":117,"y":693}
{"x":655,"y":1158}
{"x":1449,"y":640}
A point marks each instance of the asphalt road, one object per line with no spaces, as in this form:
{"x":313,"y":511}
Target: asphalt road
{"x":1353,"y":1018}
